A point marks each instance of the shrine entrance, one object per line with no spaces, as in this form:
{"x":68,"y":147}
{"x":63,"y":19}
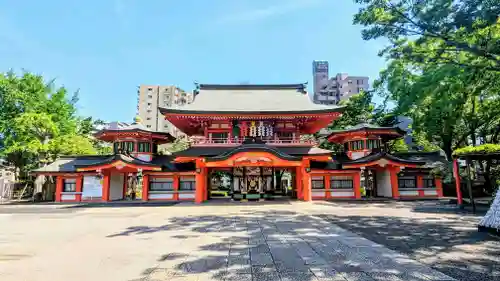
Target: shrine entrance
{"x":250,"y":183}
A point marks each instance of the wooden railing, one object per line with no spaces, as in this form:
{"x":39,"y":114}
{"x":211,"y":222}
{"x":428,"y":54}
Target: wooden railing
{"x":275,"y":141}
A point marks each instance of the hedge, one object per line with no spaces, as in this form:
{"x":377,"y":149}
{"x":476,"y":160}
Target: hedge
{"x":480,"y":149}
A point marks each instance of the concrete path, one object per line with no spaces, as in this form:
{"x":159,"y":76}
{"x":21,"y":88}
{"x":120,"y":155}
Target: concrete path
{"x":187,"y":242}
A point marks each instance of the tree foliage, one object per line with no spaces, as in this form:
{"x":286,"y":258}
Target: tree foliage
{"x":443,"y":66}
{"x":460,"y":33}
{"x":38,"y":122}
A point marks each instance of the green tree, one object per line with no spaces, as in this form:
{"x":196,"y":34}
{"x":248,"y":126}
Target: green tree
{"x":443,"y":66}
{"x":38,"y":122}
{"x":461,"y":33}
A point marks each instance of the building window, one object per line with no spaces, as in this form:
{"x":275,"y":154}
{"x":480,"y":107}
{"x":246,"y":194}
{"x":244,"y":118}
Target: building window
{"x":144,"y":147}
{"x":161,"y":184}
{"x":219,"y":137}
{"x":149,"y":104}
{"x":429,"y":182}
{"x":349,"y":82}
{"x":373,"y":144}
{"x":341,"y":182}
{"x":407,"y":182}
{"x":285,"y":135}
{"x":69,"y":185}
{"x":149,"y":110}
{"x":150,"y":96}
{"x":149,"y":126}
{"x":148,"y":118}
{"x":127,"y":146}
{"x":318,"y":183}
{"x":357,"y":145}
{"x":360,"y":89}
{"x":187,"y":184}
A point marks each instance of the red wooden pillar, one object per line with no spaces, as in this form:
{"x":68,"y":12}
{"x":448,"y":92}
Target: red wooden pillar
{"x":125,"y":179}
{"x":357,"y":185}
{"x":59,"y":188}
{"x":328,"y":194}
{"x":176,"y":187}
{"x":420,"y":185}
{"x":145,"y":187}
{"x":306,"y":180}
{"x":298,"y":183}
{"x":394,"y":182}
{"x":439,"y":187}
{"x":79,"y":183}
{"x":105,"y":187}
{"x":201,"y":182}
{"x":457,"y":181}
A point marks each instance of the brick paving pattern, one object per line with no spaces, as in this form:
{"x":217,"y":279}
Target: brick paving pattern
{"x":187,"y":242}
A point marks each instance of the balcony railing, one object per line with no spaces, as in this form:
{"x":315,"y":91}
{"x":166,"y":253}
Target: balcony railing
{"x":275,"y":141}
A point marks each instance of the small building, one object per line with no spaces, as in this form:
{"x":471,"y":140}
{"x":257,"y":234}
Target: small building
{"x":253,"y":133}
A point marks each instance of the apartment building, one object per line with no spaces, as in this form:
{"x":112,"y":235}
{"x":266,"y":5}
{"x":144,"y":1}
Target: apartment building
{"x":150,"y":97}
{"x":331,"y":90}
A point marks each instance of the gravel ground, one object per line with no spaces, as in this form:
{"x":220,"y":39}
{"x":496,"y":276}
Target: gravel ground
{"x":432,"y":233}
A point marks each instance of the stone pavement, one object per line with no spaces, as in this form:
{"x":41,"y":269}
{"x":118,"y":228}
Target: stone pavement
{"x":228,"y":242}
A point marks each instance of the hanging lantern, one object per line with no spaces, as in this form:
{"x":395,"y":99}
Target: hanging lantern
{"x":99,"y":175}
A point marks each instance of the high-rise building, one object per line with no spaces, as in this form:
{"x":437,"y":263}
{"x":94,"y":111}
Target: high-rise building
{"x":150,"y":97}
{"x":331,"y":90}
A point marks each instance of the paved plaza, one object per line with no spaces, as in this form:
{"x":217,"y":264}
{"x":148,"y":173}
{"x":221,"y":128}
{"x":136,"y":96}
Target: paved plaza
{"x":233,"y":241}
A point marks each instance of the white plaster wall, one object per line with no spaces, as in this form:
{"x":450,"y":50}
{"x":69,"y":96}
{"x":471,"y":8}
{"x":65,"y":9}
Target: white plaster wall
{"x":186,"y":195}
{"x":236,"y":184}
{"x":357,"y":155}
{"x":68,"y":197}
{"x":161,"y":196}
{"x":408,"y":192}
{"x":318,"y":193}
{"x":116,"y":187}
{"x":429,"y":192}
{"x":384,"y":183}
{"x":342,"y":193}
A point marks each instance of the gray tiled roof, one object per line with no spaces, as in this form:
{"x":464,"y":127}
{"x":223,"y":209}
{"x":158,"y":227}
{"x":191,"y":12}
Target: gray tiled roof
{"x":432,"y":160}
{"x":366,"y":126}
{"x":252,"y":99}
{"x":379,"y":155}
{"x":71,"y":163}
{"x":212,"y":151}
{"x":68,"y":163}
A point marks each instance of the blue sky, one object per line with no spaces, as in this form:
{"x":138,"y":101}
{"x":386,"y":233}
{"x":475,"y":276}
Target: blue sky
{"x":106,"y":48}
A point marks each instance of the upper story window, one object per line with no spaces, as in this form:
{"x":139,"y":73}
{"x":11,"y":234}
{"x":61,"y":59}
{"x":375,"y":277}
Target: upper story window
{"x":161,"y":184}
{"x":69,"y":185}
{"x":373,"y":144}
{"x":429,"y":181}
{"x":144,"y":147}
{"x":407,"y":182}
{"x":284,"y":135}
{"x":357,"y":145}
{"x":187,"y":183}
{"x":124,"y":146}
{"x":219,"y":137}
{"x":318,"y":182}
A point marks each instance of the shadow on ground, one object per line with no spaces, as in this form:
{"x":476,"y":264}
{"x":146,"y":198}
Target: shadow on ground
{"x":274,"y":245}
{"x":451,"y":246}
